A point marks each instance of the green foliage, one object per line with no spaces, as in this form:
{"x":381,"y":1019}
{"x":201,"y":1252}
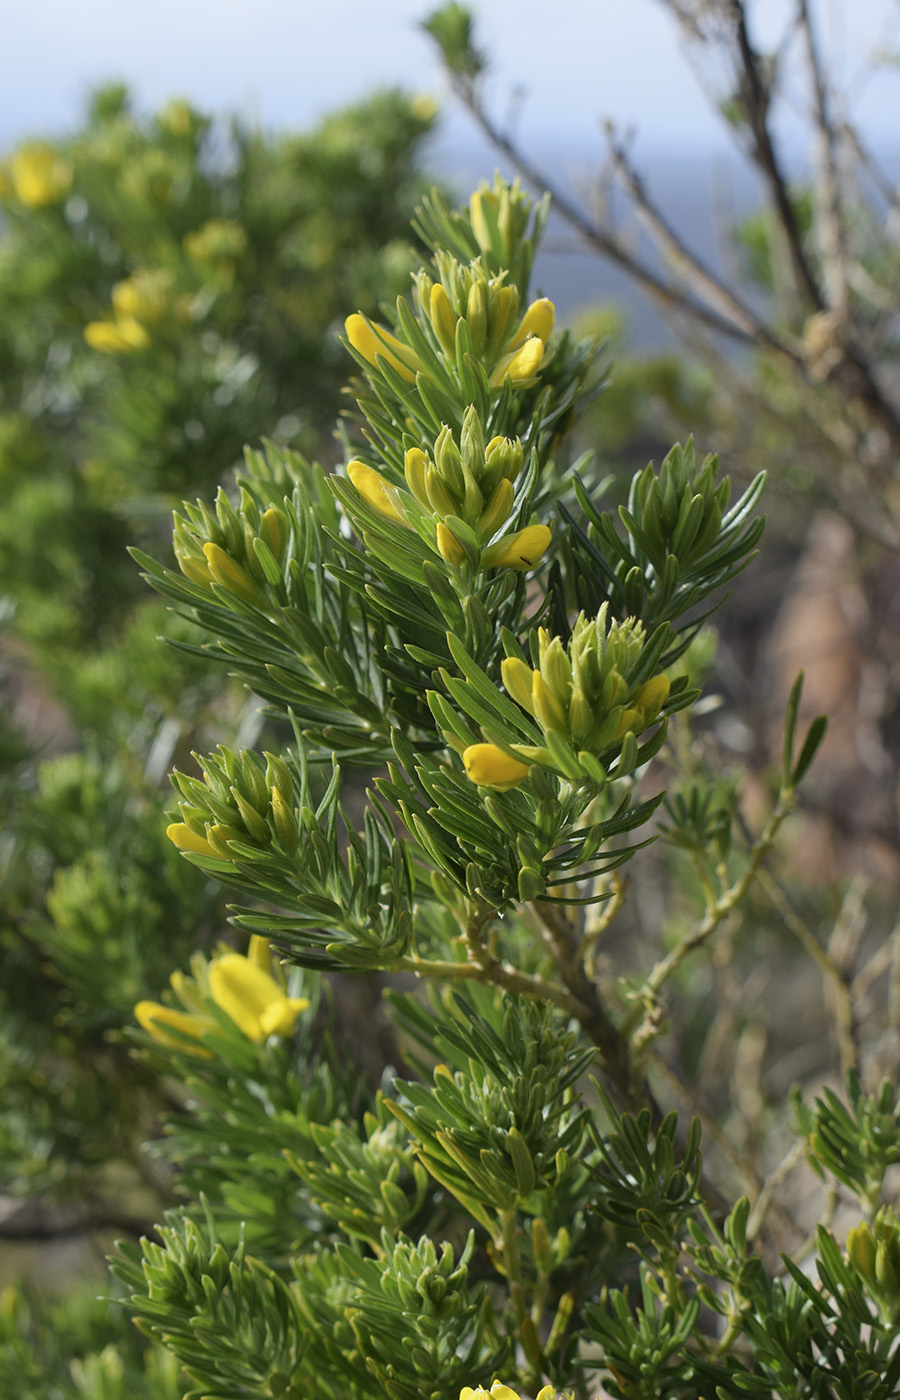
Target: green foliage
{"x":166,"y":290}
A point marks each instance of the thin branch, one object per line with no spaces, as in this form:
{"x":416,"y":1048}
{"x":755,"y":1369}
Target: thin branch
{"x":716,"y":293}
{"x":646,"y":995}
{"x":755,"y":99}
{"x":595,"y":235}
{"x":834,"y":978}
{"x":828,"y":191}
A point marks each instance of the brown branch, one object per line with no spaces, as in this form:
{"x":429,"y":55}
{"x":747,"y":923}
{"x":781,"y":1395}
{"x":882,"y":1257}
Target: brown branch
{"x":831,"y":216}
{"x":593,"y":1015}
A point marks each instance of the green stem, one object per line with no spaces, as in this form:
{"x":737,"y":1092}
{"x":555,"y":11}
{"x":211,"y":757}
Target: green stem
{"x":494,"y":971}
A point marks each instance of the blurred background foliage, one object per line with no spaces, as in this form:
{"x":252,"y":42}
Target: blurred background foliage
{"x":171,"y":288}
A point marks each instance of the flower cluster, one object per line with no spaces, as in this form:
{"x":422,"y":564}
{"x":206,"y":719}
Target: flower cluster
{"x":874,"y":1251}
{"x":238,"y":800}
{"x":499,"y":1391}
{"x":460,"y":497}
{"x":468,"y":313}
{"x":584,"y":696}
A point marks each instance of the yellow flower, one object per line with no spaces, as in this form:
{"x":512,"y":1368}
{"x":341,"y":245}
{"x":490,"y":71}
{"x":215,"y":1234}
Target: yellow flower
{"x":374,"y":341}
{"x":180,"y":834}
{"x":252,"y":998}
{"x":520,"y":365}
{"x":158,"y":1020}
{"x":488,"y":766}
{"x":119,"y":337}
{"x":374,"y":489}
{"x":519,"y":551}
{"x":39,"y":176}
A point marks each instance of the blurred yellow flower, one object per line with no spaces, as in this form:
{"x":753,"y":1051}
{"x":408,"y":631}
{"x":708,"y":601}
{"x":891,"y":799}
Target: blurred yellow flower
{"x":39,"y":175}
{"x":119,"y":337}
{"x":144,"y":296}
{"x":159,"y":1021}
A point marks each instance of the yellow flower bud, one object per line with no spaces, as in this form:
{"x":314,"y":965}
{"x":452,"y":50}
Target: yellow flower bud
{"x":194,"y":569}
{"x":497,"y":510}
{"x":362,"y":336}
{"x":449,"y":547}
{"x":416,"y":464}
{"x":517,"y":677}
{"x":181,"y":835}
{"x":477,"y":219}
{"x":229,"y":574}
{"x":252,"y":998}
{"x":374,"y":489}
{"x":286,"y":828}
{"x":488,"y":766}
{"x":158,"y":1020}
{"x":274,"y":530}
{"x":861,"y":1251}
{"x":537,"y":321}
{"x":476,"y":316}
{"x":652,"y":696}
{"x":519,"y":551}
{"x":443,"y":320}
{"x":502,"y":308}
{"x":547,"y":710}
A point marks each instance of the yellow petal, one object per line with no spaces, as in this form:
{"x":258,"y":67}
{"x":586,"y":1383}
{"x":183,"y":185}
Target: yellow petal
{"x":181,"y":835}
{"x":373,"y":489}
{"x":488,"y":766}
{"x":520,"y":366}
{"x":652,"y":696}
{"x":519,"y":551}
{"x":252,"y":998}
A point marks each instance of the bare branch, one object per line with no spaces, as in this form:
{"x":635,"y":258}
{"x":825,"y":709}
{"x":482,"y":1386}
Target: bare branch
{"x":828,"y":192}
{"x":755,"y":98}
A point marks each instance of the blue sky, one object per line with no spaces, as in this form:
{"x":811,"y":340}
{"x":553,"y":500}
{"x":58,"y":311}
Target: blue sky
{"x":284,"y":62}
